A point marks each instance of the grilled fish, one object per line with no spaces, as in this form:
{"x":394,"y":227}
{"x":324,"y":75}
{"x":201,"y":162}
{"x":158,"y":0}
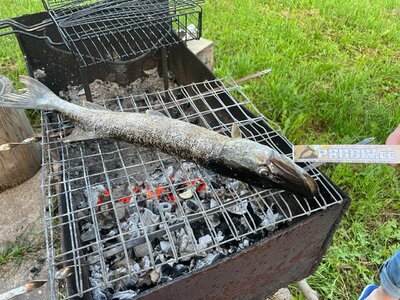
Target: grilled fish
{"x":242,"y":159}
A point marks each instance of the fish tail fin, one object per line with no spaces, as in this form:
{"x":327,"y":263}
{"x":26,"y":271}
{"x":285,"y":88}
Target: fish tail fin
{"x":37,"y":96}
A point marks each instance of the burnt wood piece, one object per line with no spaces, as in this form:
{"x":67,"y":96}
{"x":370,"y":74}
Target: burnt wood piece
{"x":22,"y":162}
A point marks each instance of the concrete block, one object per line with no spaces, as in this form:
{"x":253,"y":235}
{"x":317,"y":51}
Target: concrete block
{"x":204,"y":50}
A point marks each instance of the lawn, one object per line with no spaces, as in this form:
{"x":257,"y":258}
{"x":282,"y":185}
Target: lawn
{"x":335,"y":79}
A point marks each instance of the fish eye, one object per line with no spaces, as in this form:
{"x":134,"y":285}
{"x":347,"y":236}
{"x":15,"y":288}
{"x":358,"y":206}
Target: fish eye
{"x":264,"y":171}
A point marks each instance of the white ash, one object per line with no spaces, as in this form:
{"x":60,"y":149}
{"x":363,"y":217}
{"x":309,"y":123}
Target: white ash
{"x":132,"y":225}
{"x":208,"y":260}
{"x":126,"y":295}
{"x":271,"y":219}
{"x":165,"y":246}
{"x":206,"y":240}
{"x":96,"y":192}
{"x":239,"y":209}
{"x":194,"y":254}
{"x":244,"y":243}
{"x":39,"y":74}
{"x":150,"y":220}
{"x":105,"y":90}
{"x":97,"y":293}
{"x":220,"y":236}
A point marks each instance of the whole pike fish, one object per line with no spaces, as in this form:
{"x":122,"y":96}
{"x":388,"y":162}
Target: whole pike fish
{"x":238,"y":158}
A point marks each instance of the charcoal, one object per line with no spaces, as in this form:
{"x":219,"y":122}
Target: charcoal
{"x":145,"y":281}
{"x":166,"y":270}
{"x":192,"y":205}
{"x":165,"y":279}
{"x":130,"y":284}
{"x":179,"y":270}
{"x":141,"y":250}
{"x":88,"y":236}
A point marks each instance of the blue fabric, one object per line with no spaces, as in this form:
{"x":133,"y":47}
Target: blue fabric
{"x":390,"y":276}
{"x":367,"y":291}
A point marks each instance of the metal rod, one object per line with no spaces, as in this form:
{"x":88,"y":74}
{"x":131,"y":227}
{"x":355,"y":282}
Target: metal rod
{"x":318,"y":164}
{"x":24,"y":289}
{"x":164,"y":66}
{"x":28,"y":141}
{"x":253,"y":76}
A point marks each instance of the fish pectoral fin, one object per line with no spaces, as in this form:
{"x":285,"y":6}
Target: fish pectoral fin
{"x":151,"y":112}
{"x":79,"y":135}
{"x":95,"y":106}
{"x":236,"y":133}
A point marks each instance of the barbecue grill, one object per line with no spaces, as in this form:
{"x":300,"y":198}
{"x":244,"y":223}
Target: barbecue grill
{"x":128,"y":221}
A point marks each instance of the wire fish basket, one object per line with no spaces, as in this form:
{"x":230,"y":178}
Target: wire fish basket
{"x":115,"y":30}
{"x":101,"y":31}
{"x":131,"y":218}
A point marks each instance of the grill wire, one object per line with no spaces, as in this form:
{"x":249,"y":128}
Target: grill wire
{"x":112,"y":30}
{"x":72,"y":171}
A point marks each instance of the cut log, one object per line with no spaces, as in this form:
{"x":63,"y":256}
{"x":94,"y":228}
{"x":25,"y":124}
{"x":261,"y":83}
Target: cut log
{"x":20,"y":163}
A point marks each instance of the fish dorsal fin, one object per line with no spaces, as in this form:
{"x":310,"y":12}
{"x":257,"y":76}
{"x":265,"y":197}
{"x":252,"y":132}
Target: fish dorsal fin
{"x":79,"y":135}
{"x":95,"y":106}
{"x":236,"y":133}
{"x":151,"y":112}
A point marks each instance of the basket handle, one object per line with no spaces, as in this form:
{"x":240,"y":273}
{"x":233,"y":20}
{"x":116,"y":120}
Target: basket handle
{"x":16,"y":27}
{"x":5,"y":24}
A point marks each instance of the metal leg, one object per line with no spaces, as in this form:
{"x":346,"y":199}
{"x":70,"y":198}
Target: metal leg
{"x":86,"y":86}
{"x":307,"y":291}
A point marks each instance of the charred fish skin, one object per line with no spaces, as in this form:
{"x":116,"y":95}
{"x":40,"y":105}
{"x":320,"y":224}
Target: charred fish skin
{"x":172,"y":136}
{"x":241,"y":159}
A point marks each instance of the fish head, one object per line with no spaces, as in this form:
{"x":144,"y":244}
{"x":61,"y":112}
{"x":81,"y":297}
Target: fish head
{"x":265,"y":167}
{"x":284,"y":173}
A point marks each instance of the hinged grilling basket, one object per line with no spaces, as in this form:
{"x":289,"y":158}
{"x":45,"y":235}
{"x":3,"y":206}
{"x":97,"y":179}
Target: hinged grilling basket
{"x":130,"y":222}
{"x":101,"y":31}
{"x":126,"y":208}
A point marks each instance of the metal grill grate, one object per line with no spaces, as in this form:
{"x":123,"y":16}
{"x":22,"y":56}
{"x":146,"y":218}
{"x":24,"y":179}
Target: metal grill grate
{"x":78,"y":173}
{"x":112,"y":30}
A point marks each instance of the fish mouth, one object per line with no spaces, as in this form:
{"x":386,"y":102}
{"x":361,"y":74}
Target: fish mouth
{"x":289,"y":176}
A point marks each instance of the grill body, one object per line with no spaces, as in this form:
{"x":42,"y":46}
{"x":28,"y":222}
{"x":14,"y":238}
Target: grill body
{"x":285,"y":256}
{"x":254,"y":274}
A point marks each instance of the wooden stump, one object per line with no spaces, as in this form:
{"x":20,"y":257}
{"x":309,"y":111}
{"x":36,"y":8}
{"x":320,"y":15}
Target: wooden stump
{"x":20,"y":163}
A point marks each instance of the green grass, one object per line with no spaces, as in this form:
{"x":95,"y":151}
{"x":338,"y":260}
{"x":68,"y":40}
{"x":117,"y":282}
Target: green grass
{"x":11,"y":59}
{"x":29,"y":243}
{"x":13,"y":251}
{"x":335,"y":79}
